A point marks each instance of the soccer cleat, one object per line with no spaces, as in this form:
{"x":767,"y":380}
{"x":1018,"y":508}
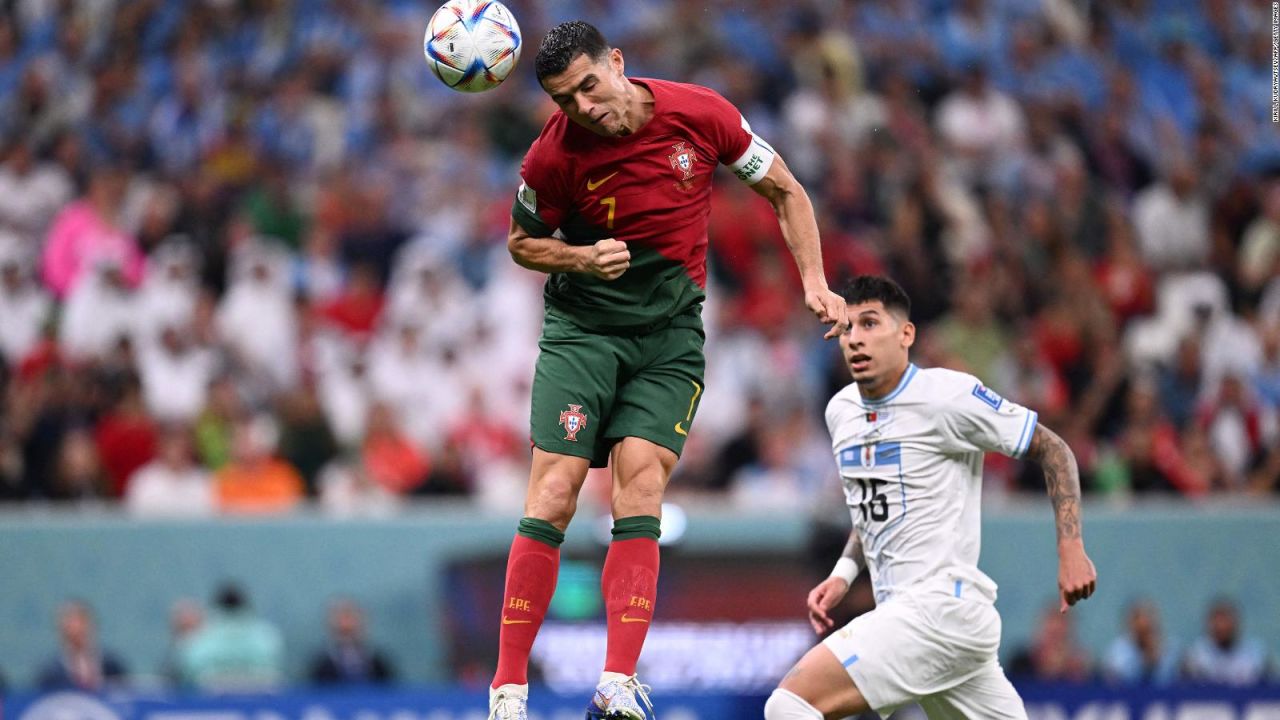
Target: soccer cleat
{"x":616,"y":700}
{"x":509,"y":702}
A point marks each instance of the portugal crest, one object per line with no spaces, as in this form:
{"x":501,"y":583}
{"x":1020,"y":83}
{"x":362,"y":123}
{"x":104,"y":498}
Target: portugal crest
{"x":573,"y":421}
{"x":682,"y":161}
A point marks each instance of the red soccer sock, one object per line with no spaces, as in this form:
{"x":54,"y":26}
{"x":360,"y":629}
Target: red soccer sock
{"x":532,"y":568}
{"x":630,"y":586}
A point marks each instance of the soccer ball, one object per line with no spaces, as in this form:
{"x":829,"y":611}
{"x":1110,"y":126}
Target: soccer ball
{"x":472,"y":45}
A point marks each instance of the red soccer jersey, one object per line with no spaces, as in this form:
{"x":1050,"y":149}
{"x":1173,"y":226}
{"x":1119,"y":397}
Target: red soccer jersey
{"x":650,"y":189}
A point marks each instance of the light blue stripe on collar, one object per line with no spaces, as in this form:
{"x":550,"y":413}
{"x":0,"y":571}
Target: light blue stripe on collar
{"x":902,"y":385}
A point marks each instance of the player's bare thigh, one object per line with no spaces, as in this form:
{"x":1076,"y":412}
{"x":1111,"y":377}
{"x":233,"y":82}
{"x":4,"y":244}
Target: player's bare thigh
{"x":641,"y":469}
{"x":825,"y":684}
{"x":554,"y":483}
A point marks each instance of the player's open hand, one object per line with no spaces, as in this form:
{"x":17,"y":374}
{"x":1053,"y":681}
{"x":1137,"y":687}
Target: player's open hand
{"x":1077,"y":578}
{"x":822,"y":598}
{"x":609,"y":259}
{"x":830,"y":308}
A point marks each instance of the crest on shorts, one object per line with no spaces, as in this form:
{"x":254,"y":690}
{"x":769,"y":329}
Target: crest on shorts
{"x":682,"y":161}
{"x":573,"y":421}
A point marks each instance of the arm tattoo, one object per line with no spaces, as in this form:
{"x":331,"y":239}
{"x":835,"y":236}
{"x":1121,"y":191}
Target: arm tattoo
{"x":853,"y":550}
{"x":1061,"y":479}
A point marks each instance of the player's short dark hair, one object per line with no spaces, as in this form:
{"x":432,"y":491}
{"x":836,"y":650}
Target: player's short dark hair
{"x":565,"y":42}
{"x":865,"y":288}
{"x":230,"y":598}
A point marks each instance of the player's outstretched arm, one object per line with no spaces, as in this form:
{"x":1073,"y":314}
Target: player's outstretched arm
{"x":1077,"y":577}
{"x":831,"y":591}
{"x":607,"y":259}
{"x":800,"y":229}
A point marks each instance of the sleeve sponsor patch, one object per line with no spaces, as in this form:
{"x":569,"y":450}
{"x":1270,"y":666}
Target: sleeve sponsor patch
{"x":988,"y":396}
{"x":528,"y":198}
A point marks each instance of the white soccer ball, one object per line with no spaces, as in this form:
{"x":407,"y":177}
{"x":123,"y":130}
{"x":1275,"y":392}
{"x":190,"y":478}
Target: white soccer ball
{"x":472,"y":45}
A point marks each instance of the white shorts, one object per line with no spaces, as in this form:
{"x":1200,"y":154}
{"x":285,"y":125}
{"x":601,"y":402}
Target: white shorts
{"x":930,"y":646}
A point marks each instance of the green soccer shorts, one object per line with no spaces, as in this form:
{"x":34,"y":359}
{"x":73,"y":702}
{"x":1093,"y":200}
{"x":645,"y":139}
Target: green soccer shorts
{"x":592,"y":389}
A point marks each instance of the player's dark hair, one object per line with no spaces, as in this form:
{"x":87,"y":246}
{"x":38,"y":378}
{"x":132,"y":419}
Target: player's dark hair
{"x":230,"y":598}
{"x":865,"y":288}
{"x":565,"y":42}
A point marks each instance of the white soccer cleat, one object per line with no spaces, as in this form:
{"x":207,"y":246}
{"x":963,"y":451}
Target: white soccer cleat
{"x":617,"y":700}
{"x":509,"y":702}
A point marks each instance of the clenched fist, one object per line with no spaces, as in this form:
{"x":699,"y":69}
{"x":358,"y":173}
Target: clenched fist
{"x":609,"y":259}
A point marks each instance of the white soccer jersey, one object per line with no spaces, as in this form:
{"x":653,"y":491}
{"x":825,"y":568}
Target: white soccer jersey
{"x":911,"y":465}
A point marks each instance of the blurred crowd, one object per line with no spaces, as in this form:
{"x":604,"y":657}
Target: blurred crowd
{"x":230,"y":646}
{"x":1143,"y":654}
{"x":252,"y":252}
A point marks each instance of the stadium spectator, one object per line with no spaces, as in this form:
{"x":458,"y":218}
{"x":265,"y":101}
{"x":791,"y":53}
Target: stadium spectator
{"x":257,"y":318}
{"x":254,"y":480}
{"x":88,"y":233}
{"x":1150,"y":449}
{"x":176,"y":373}
{"x":81,"y":664}
{"x":1142,"y":656}
{"x":1172,"y":220}
{"x":1223,"y":655}
{"x":172,"y":484}
{"x":306,"y":442}
{"x":348,"y":490}
{"x":1238,"y":426}
{"x":98,"y":314}
{"x":78,"y":473}
{"x":235,"y":650}
{"x":31,"y":191}
{"x":349,"y":659}
{"x":1124,"y":281}
{"x":24,"y":305}
{"x":170,"y":290}
{"x":125,"y":436}
{"x":13,"y":486}
{"x":980,"y":125}
{"x":215,"y":424}
{"x":1053,"y":653}
{"x":971,"y":334}
{"x":1259,"y":259}
{"x":404,"y":372}
{"x":356,"y":310}
{"x":344,"y":393}
{"x":186,"y":617}
{"x":1181,"y":382}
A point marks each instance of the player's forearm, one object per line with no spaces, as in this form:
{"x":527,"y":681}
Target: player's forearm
{"x":800,"y":230}
{"x":853,"y":549}
{"x":851,"y":559}
{"x":548,"y":255}
{"x":1062,"y":482}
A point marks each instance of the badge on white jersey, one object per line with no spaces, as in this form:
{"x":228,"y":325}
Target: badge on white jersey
{"x":988,"y":396}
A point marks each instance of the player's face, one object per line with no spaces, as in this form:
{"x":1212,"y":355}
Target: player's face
{"x":593,"y":93}
{"x":876,"y":343}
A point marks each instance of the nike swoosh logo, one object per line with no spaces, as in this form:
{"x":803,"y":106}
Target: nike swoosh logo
{"x":626,"y":619}
{"x":680,"y":430}
{"x":508,"y":621}
{"x":601,"y":181}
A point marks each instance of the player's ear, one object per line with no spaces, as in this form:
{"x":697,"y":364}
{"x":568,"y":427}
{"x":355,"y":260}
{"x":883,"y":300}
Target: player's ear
{"x":616,"y":61}
{"x":908,"y":334}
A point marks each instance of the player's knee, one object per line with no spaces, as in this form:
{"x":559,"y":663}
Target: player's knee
{"x":640,"y":497}
{"x":554,"y":499}
{"x":786,"y":705}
